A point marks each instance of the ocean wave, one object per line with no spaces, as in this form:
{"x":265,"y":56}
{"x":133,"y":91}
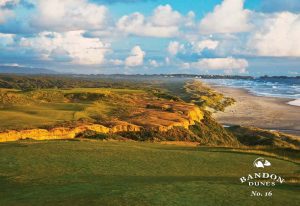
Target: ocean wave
{"x":282,"y":89}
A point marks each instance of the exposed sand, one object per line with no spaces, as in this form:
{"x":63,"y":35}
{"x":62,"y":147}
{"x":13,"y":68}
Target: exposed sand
{"x":263,"y":112}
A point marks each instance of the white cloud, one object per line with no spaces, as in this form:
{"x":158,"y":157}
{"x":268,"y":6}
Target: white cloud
{"x":175,"y":47}
{"x":5,"y":14}
{"x":164,"y":23}
{"x":190,"y":19}
{"x":228,"y":17}
{"x":205,"y":44}
{"x":6,"y":39}
{"x":68,"y":15}
{"x":185,"y":65}
{"x":166,"y":16}
{"x":278,"y":36}
{"x":136,"y":58}
{"x":117,"y":62}
{"x":9,"y":3}
{"x":60,"y":55}
{"x":5,"y":9}
{"x":136,"y":24}
{"x":226,"y":64}
{"x":167,"y":61}
{"x":11,"y":65}
{"x":153,"y":63}
{"x":68,"y":45}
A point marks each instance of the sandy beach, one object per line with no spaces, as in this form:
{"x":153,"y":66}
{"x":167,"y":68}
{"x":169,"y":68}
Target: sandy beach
{"x":263,"y":112}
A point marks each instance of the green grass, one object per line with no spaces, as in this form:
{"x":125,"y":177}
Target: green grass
{"x":38,"y":115}
{"x":131,"y":173}
{"x":48,"y":107}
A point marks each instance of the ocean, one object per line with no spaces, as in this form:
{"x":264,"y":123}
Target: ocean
{"x":270,"y":87}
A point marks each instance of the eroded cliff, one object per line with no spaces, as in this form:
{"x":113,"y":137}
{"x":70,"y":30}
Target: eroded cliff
{"x":154,"y":119}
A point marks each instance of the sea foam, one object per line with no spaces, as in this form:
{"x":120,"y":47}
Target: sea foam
{"x":295,"y":102}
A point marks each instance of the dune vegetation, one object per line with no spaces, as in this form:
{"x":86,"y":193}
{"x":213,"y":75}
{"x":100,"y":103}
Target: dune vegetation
{"x":39,"y":107}
{"x":149,"y":112}
{"x":134,"y":141}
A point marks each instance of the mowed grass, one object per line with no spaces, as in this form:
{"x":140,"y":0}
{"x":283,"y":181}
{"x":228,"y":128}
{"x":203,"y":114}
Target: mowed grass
{"x":37,"y":113}
{"x":132,"y":173}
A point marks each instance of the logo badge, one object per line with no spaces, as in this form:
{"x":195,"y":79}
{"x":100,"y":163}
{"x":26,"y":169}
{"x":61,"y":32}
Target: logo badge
{"x":261,"y":163}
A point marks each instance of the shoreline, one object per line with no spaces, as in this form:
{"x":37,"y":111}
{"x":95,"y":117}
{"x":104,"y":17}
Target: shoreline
{"x":290,"y":100}
{"x":271,"y":113}
{"x":295,"y":102}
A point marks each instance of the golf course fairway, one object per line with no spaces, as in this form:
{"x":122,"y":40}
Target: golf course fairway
{"x":134,"y":173}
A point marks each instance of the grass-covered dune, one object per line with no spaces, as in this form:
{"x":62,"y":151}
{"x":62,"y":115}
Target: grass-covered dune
{"x":134,"y":173}
{"x":150,"y":112}
{"x":47,"y":107}
{"x":53,"y":107}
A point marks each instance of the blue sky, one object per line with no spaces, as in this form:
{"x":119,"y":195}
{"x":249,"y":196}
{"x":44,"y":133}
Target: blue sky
{"x":246,"y":37}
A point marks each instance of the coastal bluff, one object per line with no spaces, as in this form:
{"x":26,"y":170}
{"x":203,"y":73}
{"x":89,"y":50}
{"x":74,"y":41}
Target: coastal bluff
{"x":158,"y":121}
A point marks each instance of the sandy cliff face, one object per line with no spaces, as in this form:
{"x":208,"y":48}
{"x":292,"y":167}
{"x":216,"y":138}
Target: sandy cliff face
{"x":189,"y":118}
{"x":160,"y":121}
{"x":56,"y":133}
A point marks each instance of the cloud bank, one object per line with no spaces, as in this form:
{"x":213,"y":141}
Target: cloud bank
{"x":99,"y":33}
